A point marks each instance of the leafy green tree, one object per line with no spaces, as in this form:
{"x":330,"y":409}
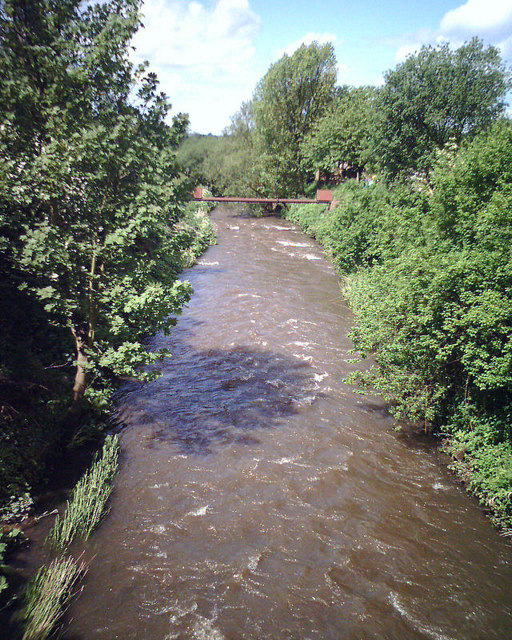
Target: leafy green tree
{"x":292,"y":95}
{"x":194,"y":156}
{"x":344,"y":134}
{"x":240,"y":161}
{"x":437,"y":96}
{"x":89,"y":188}
{"x":227,"y":164}
{"x":442,"y":332}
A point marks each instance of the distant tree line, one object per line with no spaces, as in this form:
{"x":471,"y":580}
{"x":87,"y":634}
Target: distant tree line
{"x":300,"y":122}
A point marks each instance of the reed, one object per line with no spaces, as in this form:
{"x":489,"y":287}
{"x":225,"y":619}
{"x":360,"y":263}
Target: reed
{"x":47,"y":596}
{"x":86,"y":506}
{"x":50,"y":591}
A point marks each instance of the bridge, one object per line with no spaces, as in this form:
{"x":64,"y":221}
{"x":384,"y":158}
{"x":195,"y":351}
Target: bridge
{"x":323,"y":196}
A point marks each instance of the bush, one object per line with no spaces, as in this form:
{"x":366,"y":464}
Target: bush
{"x":431,"y":286}
{"x":368,"y":225}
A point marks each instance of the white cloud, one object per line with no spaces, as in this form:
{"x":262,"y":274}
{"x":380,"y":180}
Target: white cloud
{"x":309,"y":38}
{"x":490,"y":20}
{"x":203,"y":55}
{"x":406,"y":50}
{"x":486,"y":17}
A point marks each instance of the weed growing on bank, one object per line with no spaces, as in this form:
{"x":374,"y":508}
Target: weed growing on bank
{"x":49,"y":592}
{"x":198,"y":232}
{"x":87,"y":504}
{"x":48,"y":595}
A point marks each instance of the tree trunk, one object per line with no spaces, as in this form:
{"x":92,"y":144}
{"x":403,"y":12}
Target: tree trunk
{"x":72,"y":421}
{"x":81,"y":374}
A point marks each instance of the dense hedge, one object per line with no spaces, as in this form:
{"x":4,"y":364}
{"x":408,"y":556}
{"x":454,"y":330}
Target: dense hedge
{"x":430,"y":279}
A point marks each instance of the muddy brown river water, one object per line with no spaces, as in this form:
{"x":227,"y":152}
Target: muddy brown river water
{"x":261,"y":498}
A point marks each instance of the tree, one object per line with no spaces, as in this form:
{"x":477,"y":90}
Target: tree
{"x":239,"y":163}
{"x":89,"y":187}
{"x":344,"y":134}
{"x":437,"y":314}
{"x":196,"y":156}
{"x":437,"y":96}
{"x":291,"y":96}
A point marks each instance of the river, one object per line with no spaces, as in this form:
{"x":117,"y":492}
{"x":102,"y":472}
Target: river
{"x":261,"y":498}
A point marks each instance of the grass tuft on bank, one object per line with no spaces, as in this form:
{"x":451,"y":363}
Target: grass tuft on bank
{"x":49,"y":592}
{"x":47,"y":596}
{"x":86,"y":506}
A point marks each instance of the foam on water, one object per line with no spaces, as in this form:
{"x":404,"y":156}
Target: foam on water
{"x":302,"y":356}
{"x":287,"y":243}
{"x":252,"y":563}
{"x":285,"y":460}
{"x":288,"y":253}
{"x":439,"y":486}
{"x":199,"y":512}
{"x":203,"y":629}
{"x":427,"y":630}
{"x":158,"y":528}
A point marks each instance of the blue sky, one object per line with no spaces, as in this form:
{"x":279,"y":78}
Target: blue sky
{"x":209,"y":54}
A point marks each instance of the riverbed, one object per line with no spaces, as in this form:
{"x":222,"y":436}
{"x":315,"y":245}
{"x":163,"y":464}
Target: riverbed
{"x":262,"y":498}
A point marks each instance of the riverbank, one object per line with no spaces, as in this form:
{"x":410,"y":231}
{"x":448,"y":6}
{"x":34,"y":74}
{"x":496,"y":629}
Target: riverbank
{"x":431,"y":296}
{"x":38,"y":453}
{"x":49,"y":592}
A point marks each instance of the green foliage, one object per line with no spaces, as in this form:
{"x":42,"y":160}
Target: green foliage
{"x":364,"y":228}
{"x":408,"y":327}
{"x":197,"y":232}
{"x":97,"y":181}
{"x":484,"y":460}
{"x":344,"y":134}
{"x":199,"y":156}
{"x":431,"y":286}
{"x":224,"y":163}
{"x":93,"y":228}
{"x":291,"y":96}
{"x":87,"y":504}
{"x":442,"y":332}
{"x":436,"y":96}
{"x":47,"y":596}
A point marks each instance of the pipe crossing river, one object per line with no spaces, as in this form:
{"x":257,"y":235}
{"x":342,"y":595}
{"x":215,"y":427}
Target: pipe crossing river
{"x":261,"y":498}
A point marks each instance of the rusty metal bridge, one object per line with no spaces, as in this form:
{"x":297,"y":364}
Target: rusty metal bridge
{"x":323,"y":196}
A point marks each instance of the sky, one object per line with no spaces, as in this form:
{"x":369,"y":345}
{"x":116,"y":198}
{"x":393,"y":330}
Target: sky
{"x":209,"y":54}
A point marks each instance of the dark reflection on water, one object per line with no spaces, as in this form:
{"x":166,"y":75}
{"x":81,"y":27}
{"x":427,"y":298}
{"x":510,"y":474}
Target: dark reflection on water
{"x":234,"y":391}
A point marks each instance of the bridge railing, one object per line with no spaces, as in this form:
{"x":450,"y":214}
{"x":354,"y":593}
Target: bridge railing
{"x":322,"y":196}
